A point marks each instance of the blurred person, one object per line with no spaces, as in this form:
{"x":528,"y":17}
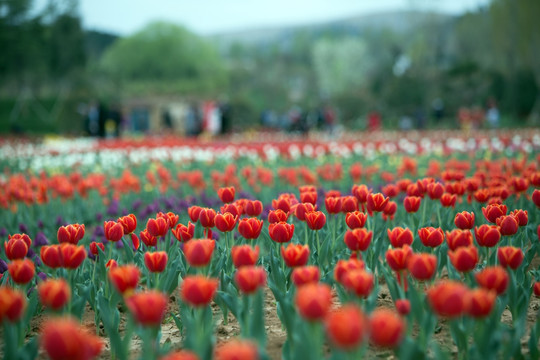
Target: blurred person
{"x":211,"y":118}
{"x":329,"y":118}
{"x":226,"y":117}
{"x":437,"y":107}
{"x":193,"y":121}
{"x":166,"y":119}
{"x":92,"y":119}
{"x":492,"y":114}
{"x":374,"y":122}
{"x":102,"y":119}
{"x":405,"y":123}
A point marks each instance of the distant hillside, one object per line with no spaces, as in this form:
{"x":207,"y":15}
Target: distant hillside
{"x":399,"y":21}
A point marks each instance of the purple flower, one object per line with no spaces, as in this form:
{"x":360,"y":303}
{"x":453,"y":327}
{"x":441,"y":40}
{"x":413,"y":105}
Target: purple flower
{"x":23,"y":228}
{"x":59,"y":221}
{"x":40,"y":239}
{"x":3,"y":266}
{"x":3,"y":232}
{"x":40,"y":224}
{"x":42,"y":276}
{"x":99,"y":217}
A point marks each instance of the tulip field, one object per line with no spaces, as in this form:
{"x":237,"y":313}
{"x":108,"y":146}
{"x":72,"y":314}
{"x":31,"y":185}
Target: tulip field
{"x":388,"y":245}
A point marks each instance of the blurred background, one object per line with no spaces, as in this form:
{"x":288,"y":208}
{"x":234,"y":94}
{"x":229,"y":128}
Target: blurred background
{"x":105,"y":68}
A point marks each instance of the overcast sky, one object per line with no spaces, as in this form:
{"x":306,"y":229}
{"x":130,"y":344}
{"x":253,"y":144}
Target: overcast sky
{"x":212,"y":16}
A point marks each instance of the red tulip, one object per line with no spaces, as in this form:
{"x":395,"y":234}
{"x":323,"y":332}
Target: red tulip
{"x":449,"y":298}
{"x":344,"y":266}
{"x":199,"y":252}
{"x":198,"y":290}
{"x":225,"y":222}
{"x":207,"y":217}
{"x":148,"y":239}
{"x":303,"y":275}
{"x":250,"y":228}
{"x":184,"y":233}
{"x":481,"y":302}
{"x":536,"y":289}
{"x":522,"y":216}
{"x":94,"y":248}
{"x":494,"y":211}
{"x":333,"y":205}
{"x":464,"y":220}
{"x":16,"y":247}
{"x":301,"y":209}
{"x":536,"y":197}
{"x":54,"y":293}
{"x":358,"y":281}
{"x":237,"y":350}
{"x":22,"y":271}
{"x":148,"y":308}
{"x":129,"y":223}
{"x":295,"y":255}
{"x":124,"y":278}
{"x":458,"y":238}
{"x":226,"y":194}
{"x":156,"y":261}
{"x":346,"y":327}
{"x":71,"y":233}
{"x":275,"y":216}
{"x":400,"y":236}
{"x":65,"y":338}
{"x":180,"y":355}
{"x":390,"y":210}
{"x":487,"y":235}
{"x":111,"y":264}
{"x":448,"y":200}
{"x":349,"y":204}
{"x":170,"y":217}
{"x":113,"y":231}
{"x":281,"y":232}
{"x":244,"y":255}
{"x":308,"y":197}
{"x":313,"y":301}
{"x":12,"y":304}
{"x":51,"y":256}
{"x":493,"y":278}
{"x":376,"y":202}
{"x":464,"y":259}
{"x":431,"y":237}
{"x":386,"y":328}
{"x":355,"y":220}
{"x":422,"y":266}
{"x":403,"y":307}
{"x":412,"y":203}
{"x":72,"y":255}
{"x":510,"y":256}
{"x":397,"y":258}
{"x":435,"y":190}
{"x":194,"y":212}
{"x":316,"y":220}
{"x":508,"y":225}
{"x":358,"y":239}
{"x":250,"y":278}
{"x":253,"y":208}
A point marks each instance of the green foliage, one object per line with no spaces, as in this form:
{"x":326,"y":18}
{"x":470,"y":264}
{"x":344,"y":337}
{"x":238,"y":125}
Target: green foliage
{"x":165,"y":54}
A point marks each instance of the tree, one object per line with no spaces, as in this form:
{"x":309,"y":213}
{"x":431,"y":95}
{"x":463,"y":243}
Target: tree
{"x":162,"y":55}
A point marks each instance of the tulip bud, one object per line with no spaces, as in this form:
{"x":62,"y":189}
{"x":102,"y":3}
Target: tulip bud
{"x":184,"y":233}
{"x":70,"y":233}
{"x":281,"y":232}
{"x":128,"y":222}
{"x":65,"y":338}
{"x":355,"y":220}
{"x":400,"y":236}
{"x":386,"y":328}
{"x":237,"y":349}
{"x":344,"y":266}
{"x":148,"y":308}
{"x":253,"y":208}
{"x":157,"y":227}
{"x":54,"y":293}
{"x":487,"y":235}
{"x":493,"y":278}
{"x":464,"y":220}
{"x":458,"y":238}
{"x":346,"y":327}
{"x":510,"y":256}
{"x":316,"y":220}
{"x":250,"y":278}
{"x":449,"y":298}
{"x":508,"y":224}
{"x":422,"y":266}
{"x":313,"y":301}
{"x":226,"y":194}
{"x":22,"y":271}
{"x":244,"y":255}
{"x":12,"y":304}
{"x":303,"y":275}
{"x":358,"y":239}
{"x":275,"y":216}
{"x":358,"y":281}
{"x":403,"y":307}
{"x":431,"y":237}
{"x":225,"y":222}
{"x":250,"y":228}
{"x":464,"y":259}
{"x":199,"y":252}
{"x":295,"y":255}
{"x":198,"y":290}
{"x":412,"y":203}
{"x":113,"y":231}
{"x":156,"y":261}
{"x":124,"y":278}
